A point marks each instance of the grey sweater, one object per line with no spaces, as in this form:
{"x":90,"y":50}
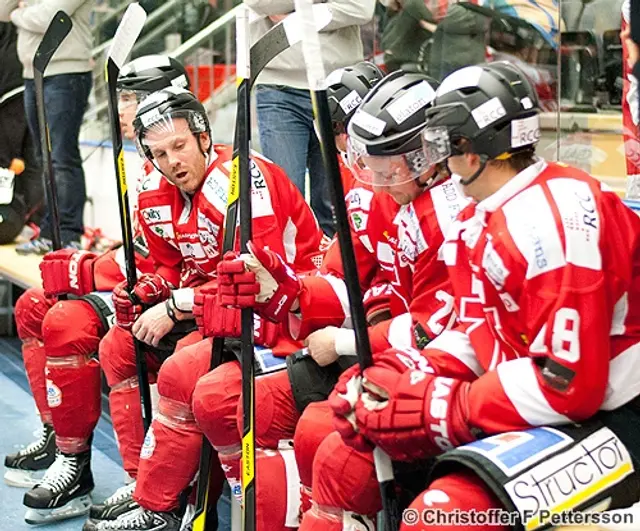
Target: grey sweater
{"x":74,"y":53}
{"x":340,"y":39}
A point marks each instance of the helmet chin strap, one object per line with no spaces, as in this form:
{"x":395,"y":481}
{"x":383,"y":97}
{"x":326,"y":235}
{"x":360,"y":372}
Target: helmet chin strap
{"x":483,"y":164}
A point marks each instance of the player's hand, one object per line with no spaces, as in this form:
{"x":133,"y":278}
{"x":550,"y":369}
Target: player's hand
{"x":260,"y":280}
{"x":67,"y":271}
{"x":343,"y":400}
{"x":409,"y":413}
{"x":127,"y":310}
{"x":151,"y":289}
{"x":328,"y":344}
{"x":153,"y":325}
{"x":214,"y":320}
{"x":377,"y":303}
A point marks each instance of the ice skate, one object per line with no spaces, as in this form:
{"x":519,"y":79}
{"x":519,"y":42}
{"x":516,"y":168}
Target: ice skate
{"x":120,"y":502}
{"x":26,"y":467}
{"x":63,"y":492}
{"x":142,"y":520}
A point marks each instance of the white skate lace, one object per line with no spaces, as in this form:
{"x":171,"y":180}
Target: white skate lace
{"x":135,"y":519}
{"x":120,"y":495}
{"x":60,"y":474}
{"x":37,"y":445}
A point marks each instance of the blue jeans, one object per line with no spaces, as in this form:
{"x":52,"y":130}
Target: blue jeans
{"x":65,"y":98}
{"x":287,"y":137}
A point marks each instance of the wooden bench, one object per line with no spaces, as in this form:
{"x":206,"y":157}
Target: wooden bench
{"x":16,"y":270}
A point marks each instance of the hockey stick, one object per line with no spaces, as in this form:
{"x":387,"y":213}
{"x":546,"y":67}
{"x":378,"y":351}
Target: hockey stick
{"x":57,"y":31}
{"x":126,"y":35}
{"x":316,"y":75}
{"x":271,"y":44}
{"x":243,"y":126}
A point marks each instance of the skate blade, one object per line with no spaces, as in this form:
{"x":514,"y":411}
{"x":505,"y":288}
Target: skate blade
{"x":76,"y":507}
{"x":26,"y":479}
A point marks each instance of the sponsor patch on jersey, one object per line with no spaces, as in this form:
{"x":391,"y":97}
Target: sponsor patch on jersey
{"x":149,"y":444}
{"x":411,"y":240}
{"x":532,"y":225}
{"x":571,"y":478}
{"x":525,"y":132}
{"x":489,"y":112}
{"x":159,"y":214}
{"x":385,"y":254}
{"x":448,"y":203}
{"x":54,"y":395}
{"x":359,"y":220}
{"x":164,"y":230}
{"x":465,"y":77}
{"x":494,"y":267}
{"x":350,"y":102}
{"x":359,"y":198}
{"x":260,"y":196}
{"x":581,"y":221}
{"x":193,"y":250}
{"x":205,"y":223}
{"x":368,"y":122}
{"x":411,"y":102}
{"x":514,"y":451}
{"x":151,"y":182}
{"x":215,"y":189}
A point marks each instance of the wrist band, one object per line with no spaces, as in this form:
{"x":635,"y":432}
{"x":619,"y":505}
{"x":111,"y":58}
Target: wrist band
{"x":170,"y":312}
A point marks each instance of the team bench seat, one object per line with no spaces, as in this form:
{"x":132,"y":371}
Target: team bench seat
{"x":16,"y":270}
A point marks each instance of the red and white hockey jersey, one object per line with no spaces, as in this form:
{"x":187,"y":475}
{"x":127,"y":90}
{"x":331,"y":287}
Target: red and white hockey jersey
{"x":185,"y":233}
{"x":546,"y":276}
{"x":404,"y":242}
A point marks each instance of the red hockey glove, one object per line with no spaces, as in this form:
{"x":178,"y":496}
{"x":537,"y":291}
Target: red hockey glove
{"x":343,"y":400}
{"x":151,"y":289}
{"x":212,"y":319}
{"x":127,"y":311}
{"x":67,"y":271}
{"x":376,"y":301}
{"x":271,"y":287}
{"x":411,"y":414}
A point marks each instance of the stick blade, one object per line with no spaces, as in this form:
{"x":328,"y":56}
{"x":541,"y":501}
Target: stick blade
{"x":58,"y":29}
{"x":127,"y":33}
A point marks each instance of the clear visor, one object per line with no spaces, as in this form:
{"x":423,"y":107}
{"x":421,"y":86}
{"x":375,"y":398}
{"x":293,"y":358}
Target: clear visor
{"x":162,"y":133}
{"x":385,"y":171}
{"x":436,"y":145}
{"x":129,"y":99}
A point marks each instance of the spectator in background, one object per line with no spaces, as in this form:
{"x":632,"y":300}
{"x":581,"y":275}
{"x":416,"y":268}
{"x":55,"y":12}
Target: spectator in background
{"x":285,"y":116}
{"x":21,"y":191}
{"x":410,"y":23}
{"x":630,"y":104}
{"x":66,"y":91}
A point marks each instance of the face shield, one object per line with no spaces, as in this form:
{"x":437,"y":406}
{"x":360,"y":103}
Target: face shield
{"x":436,"y":145}
{"x":380,"y":171}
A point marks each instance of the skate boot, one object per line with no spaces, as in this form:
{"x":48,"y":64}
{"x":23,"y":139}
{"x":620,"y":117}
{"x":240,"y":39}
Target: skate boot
{"x":142,"y":520}
{"x":120,"y":502}
{"x":26,"y":467}
{"x":63,"y":492}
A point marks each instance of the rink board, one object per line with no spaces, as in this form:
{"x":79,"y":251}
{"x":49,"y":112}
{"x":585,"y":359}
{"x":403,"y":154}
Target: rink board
{"x":23,"y":271}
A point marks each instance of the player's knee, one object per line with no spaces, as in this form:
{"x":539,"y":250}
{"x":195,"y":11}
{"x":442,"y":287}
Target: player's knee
{"x":215,"y":403}
{"x":314,"y":425}
{"x":345,"y":478}
{"x":460,"y":491}
{"x":117,"y":356}
{"x":71,"y":328}
{"x":29,"y":311}
{"x":180,"y":372}
{"x":275,"y":410}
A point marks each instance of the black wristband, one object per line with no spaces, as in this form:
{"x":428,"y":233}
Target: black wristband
{"x":170,"y":312}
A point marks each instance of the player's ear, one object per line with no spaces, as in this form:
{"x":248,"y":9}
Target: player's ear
{"x":205,"y":142}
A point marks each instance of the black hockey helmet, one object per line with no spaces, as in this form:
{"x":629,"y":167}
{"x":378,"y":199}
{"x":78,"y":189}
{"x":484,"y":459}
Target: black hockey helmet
{"x":386,"y":128}
{"x":346,"y":87}
{"x":159,"y":110}
{"x":151,"y":73}
{"x":494,"y":107}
